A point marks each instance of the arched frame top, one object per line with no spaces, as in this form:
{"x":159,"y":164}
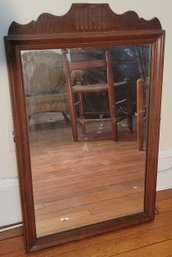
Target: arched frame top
{"x":85,"y":18}
{"x":84,"y":25}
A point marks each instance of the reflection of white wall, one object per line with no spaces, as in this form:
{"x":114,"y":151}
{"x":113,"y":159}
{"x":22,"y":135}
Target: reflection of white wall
{"x":24,"y":12}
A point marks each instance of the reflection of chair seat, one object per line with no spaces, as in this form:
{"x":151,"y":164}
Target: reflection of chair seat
{"x":93,"y":88}
{"x":79,"y":91}
{"x":47,"y":103}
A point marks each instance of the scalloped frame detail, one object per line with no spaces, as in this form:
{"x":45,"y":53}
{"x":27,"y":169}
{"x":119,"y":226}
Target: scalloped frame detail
{"x":85,"y":18}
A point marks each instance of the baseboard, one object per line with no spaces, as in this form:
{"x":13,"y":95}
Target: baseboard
{"x":164,"y":179}
{"x":11,"y":232}
{"x":10,"y":202}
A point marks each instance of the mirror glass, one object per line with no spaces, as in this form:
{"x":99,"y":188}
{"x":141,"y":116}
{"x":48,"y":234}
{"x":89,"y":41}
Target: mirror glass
{"x":87,"y":121}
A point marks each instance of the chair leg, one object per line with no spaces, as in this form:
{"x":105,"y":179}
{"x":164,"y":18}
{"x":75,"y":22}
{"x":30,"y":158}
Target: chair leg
{"x":74,"y":128}
{"x":82,"y":127}
{"x":113,"y":116}
{"x":70,"y":97}
{"x":111,"y":95}
{"x":129,"y":106}
{"x":65,"y":116}
{"x":140,"y":115}
{"x":81,"y":111}
{"x":114,"y":129}
{"x":130,"y":123}
{"x":72,"y":115}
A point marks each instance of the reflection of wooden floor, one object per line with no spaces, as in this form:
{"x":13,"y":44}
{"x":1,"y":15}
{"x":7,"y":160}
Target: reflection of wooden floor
{"x":150,"y":239}
{"x":85,"y":182}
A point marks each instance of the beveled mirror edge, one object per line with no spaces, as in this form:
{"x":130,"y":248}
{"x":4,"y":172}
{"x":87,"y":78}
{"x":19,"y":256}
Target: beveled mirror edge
{"x":32,"y":243}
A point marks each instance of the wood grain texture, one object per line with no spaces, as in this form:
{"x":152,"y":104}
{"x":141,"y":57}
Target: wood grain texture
{"x":89,"y":193}
{"x":149,"y":239}
{"x":83,"y":18}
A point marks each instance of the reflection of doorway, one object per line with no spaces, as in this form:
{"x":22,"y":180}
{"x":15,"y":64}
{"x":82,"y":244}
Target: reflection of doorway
{"x":77,"y":184}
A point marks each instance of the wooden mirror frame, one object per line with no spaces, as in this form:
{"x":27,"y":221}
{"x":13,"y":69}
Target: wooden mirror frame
{"x":83,"y":26}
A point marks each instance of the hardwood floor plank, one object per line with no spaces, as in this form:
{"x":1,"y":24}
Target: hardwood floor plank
{"x":71,"y":178}
{"x":162,"y":249}
{"x":106,"y":193}
{"x":82,"y":191}
{"x":164,"y":201}
{"x":137,"y":237}
{"x":148,"y":239}
{"x":52,"y":222}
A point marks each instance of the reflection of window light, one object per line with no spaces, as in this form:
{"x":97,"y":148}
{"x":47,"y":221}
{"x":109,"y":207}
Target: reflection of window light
{"x":101,"y":116}
{"x":123,"y":124}
{"x":129,"y":52}
{"x":135,"y":187}
{"x":64,"y":219}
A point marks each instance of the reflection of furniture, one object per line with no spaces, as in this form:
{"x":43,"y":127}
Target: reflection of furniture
{"x":44,"y":82}
{"x":81,"y":90}
{"x":141,"y":113}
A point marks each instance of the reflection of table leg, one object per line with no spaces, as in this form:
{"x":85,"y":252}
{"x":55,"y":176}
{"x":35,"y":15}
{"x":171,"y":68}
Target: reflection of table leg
{"x":140,"y":114}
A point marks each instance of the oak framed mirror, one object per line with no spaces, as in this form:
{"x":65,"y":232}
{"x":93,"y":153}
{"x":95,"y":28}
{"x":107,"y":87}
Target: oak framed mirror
{"x":86,"y":93}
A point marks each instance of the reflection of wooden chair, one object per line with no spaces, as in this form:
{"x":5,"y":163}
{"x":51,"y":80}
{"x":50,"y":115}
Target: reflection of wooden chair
{"x":141,"y":113}
{"x":81,"y":90}
{"x":44,"y":82}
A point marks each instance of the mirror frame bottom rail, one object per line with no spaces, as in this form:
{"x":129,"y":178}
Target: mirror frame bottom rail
{"x":88,"y":231}
{"x":91,"y":25}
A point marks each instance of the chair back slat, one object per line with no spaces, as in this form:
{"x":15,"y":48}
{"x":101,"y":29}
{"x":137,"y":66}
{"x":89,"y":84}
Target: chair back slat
{"x":87,"y":64}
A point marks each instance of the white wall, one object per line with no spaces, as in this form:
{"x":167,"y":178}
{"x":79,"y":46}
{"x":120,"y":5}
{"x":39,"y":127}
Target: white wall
{"x":27,"y":10}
